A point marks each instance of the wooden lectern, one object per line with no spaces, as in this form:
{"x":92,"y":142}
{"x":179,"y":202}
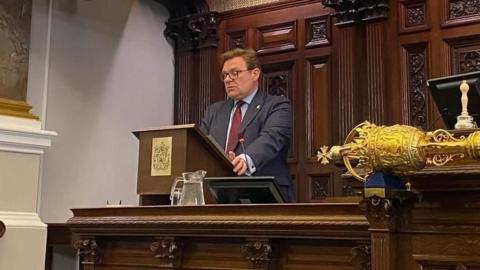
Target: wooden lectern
{"x":167,"y":152}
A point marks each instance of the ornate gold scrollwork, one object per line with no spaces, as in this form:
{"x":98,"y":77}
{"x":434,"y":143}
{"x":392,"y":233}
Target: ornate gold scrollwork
{"x":399,"y":149}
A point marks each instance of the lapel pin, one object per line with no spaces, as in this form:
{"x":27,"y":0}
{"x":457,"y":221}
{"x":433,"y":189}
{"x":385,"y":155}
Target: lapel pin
{"x":258,"y":107}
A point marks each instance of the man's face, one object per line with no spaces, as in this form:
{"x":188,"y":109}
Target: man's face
{"x":244,"y":81}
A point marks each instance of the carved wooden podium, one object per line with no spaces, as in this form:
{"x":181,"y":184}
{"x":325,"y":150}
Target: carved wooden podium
{"x":166,"y":152}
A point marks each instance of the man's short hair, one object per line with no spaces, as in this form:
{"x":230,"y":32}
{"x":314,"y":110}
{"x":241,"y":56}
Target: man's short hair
{"x":249,"y":55}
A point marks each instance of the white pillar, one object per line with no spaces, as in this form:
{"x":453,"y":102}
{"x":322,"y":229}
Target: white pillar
{"x":22,"y":142}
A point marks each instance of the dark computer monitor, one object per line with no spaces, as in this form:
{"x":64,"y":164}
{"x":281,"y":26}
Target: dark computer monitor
{"x":446,"y":94}
{"x":244,"y":189}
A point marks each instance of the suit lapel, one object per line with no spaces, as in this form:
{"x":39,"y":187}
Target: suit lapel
{"x":252,"y":110}
{"x":223,"y":120}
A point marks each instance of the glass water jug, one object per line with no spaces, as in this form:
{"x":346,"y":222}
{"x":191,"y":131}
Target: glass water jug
{"x":191,"y":192}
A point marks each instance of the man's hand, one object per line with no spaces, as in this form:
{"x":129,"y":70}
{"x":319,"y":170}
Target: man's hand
{"x":239,"y":164}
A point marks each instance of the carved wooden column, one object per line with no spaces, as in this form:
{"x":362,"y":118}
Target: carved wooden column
{"x":375,"y":15}
{"x":348,"y":54}
{"x":195,"y":37}
{"x":208,"y":80}
{"x":361,"y":49}
{"x":385,"y":216}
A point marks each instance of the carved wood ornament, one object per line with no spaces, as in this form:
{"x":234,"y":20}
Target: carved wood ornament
{"x":463,"y":8}
{"x":361,"y":256}
{"x":417,"y":84}
{"x":353,"y":11}
{"x":258,"y":252}
{"x":169,"y":250}
{"x":193,"y":32}
{"x":385,"y":213}
{"x":380,"y":212}
{"x":88,"y":250}
{"x":415,"y":15}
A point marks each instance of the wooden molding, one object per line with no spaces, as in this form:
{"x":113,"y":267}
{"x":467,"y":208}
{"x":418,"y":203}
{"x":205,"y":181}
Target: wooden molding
{"x":16,"y":108}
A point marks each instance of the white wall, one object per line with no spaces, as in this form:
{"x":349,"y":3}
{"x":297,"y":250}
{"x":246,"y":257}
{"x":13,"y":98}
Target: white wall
{"x":98,"y":70}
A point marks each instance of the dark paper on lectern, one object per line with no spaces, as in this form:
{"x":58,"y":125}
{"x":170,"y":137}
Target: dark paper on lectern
{"x":244,"y":189}
{"x":446,"y":94}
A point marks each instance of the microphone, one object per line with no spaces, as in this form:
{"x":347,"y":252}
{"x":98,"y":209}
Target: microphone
{"x":241,"y":140}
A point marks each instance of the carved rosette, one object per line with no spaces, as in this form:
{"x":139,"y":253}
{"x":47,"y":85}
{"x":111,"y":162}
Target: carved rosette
{"x":463,"y":8}
{"x":417,"y":79}
{"x":258,"y":252}
{"x":353,"y":11}
{"x":415,"y":15}
{"x":362,"y":256}
{"x":168,"y":250}
{"x":319,"y":31}
{"x":194,"y":32}
{"x":2,"y":229}
{"x":88,"y":250}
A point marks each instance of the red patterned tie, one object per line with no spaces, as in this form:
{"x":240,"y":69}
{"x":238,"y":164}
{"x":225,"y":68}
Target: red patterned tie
{"x":235,"y":126}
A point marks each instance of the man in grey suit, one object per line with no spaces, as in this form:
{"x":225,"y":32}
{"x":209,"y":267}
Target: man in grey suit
{"x":259,"y":121}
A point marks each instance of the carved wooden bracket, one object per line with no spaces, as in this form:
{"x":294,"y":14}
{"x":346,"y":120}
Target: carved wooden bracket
{"x":169,"y":250}
{"x":362,"y":256}
{"x":88,"y":250}
{"x":194,"y":31}
{"x":258,"y":251}
{"x":383,"y":213}
{"x":350,"y":12}
{"x":2,"y":229}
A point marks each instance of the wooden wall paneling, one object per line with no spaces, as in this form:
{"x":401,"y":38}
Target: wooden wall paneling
{"x":320,"y":186}
{"x":414,"y":16}
{"x":317,"y":31}
{"x":465,"y":55}
{"x":460,"y":12}
{"x":318,"y":106}
{"x":414,"y":76}
{"x":279,"y":79}
{"x":333,"y":256}
{"x":277,"y":38}
{"x":236,"y":39}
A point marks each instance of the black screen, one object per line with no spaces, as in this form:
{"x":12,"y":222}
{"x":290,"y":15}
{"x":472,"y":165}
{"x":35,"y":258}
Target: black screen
{"x":244,"y":190}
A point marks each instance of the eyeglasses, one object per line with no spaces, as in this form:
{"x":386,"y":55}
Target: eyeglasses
{"x":232,"y":74}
